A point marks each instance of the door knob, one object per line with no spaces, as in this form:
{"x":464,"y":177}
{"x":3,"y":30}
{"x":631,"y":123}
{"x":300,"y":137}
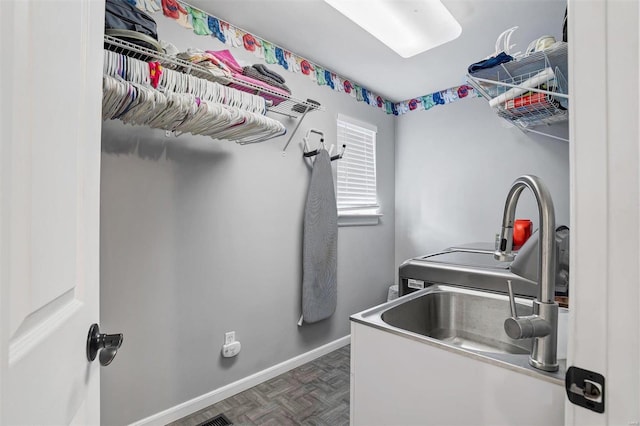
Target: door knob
{"x":106,"y":344}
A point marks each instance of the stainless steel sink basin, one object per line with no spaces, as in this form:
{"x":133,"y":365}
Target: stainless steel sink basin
{"x":463,"y":320}
{"x":460,"y":317}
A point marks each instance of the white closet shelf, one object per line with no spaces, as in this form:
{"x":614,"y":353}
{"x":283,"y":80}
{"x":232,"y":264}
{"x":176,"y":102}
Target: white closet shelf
{"x":290,"y":106}
{"x":530,"y":91}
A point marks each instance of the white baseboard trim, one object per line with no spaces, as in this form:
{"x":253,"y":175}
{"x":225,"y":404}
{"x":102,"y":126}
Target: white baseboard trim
{"x":198,"y":403}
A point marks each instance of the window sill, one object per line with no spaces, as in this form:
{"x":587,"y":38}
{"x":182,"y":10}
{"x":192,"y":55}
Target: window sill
{"x":358,"y":219}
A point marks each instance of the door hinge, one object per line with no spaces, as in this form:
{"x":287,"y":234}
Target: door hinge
{"x":585,"y":388}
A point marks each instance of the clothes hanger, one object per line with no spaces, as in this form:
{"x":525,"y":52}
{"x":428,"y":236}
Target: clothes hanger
{"x":182,"y":103}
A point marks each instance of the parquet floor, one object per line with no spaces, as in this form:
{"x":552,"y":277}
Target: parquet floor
{"x":316,"y":393}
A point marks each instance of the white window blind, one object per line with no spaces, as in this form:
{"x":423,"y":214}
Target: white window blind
{"x":357,"y":168}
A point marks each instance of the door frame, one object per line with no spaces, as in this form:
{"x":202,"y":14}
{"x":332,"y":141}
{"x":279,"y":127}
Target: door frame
{"x":604,"y":323}
{"x":604,"y":202}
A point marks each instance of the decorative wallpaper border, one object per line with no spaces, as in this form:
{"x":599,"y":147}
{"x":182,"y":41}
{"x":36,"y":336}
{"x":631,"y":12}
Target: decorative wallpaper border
{"x":442,"y":97}
{"x":207,"y":25}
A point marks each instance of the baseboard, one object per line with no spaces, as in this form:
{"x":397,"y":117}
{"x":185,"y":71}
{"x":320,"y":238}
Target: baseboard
{"x":198,"y":403}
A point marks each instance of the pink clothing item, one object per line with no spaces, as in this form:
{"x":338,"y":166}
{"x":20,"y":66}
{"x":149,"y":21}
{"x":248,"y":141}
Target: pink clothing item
{"x":227,"y":58}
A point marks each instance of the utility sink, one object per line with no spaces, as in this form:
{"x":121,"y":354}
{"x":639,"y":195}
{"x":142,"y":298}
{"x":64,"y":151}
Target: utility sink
{"x":464,"y":318}
{"x":416,"y":357}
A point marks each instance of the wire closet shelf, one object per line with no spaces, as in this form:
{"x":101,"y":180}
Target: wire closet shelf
{"x":530,"y":91}
{"x":290,"y":106}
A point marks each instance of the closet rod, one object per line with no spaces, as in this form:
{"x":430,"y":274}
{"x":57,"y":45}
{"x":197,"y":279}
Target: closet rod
{"x":547,"y":135}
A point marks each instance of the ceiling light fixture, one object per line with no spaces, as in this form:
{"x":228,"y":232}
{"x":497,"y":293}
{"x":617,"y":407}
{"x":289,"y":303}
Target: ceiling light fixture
{"x":408,"y":27}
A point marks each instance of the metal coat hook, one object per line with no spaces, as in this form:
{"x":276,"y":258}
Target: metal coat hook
{"x":339,"y":156}
{"x":308,"y":153}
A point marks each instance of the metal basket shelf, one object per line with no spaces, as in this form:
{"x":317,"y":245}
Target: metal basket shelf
{"x":289,"y":106}
{"x":532,"y":104}
{"x":534,"y":108}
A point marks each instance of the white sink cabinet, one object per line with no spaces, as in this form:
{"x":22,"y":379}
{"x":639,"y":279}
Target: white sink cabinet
{"x":397,"y":380}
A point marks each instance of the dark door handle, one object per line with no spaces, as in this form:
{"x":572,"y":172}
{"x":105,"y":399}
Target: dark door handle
{"x":106,"y":344}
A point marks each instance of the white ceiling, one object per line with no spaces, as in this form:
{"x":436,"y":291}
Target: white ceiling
{"x":316,"y":31}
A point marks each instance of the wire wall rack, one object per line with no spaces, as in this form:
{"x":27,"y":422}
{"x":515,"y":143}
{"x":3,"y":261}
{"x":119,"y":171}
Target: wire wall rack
{"x":528,"y":92}
{"x":289,"y":106}
{"x":533,"y":108}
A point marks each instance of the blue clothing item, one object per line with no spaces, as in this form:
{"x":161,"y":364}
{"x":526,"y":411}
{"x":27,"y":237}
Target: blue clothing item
{"x":214,"y":26}
{"x":437,"y":98}
{"x":365,"y":95}
{"x":327,"y":77}
{"x":501,"y":58}
{"x":281,"y":59}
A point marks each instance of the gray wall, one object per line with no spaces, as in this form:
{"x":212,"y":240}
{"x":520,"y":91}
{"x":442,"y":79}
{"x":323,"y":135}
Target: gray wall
{"x":454,"y":166}
{"x":200,"y":237}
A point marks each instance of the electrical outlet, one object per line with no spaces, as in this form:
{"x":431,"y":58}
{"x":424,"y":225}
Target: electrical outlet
{"x":231,"y":347}
{"x":231,"y":350}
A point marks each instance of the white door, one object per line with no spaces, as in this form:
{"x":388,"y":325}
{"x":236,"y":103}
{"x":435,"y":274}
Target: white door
{"x":605,"y":190}
{"x":50,"y":80}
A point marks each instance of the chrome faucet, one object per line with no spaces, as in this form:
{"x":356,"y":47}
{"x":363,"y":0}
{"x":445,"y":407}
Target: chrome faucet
{"x":543,"y":324}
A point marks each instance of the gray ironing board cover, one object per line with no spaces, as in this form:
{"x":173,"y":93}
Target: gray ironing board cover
{"x":320,"y":244}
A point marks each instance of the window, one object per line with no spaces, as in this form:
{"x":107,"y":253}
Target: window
{"x":357,"y":195}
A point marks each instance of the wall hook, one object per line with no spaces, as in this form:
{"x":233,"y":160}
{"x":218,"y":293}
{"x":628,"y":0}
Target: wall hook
{"x":339,"y":156}
{"x":308,"y":153}
{"x":307,"y":150}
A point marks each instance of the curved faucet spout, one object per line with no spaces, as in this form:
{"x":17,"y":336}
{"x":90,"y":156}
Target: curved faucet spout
{"x":545,"y":315}
{"x":546,"y":246}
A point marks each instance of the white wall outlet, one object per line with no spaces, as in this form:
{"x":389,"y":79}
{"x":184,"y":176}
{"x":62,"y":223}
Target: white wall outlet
{"x":231,"y":349}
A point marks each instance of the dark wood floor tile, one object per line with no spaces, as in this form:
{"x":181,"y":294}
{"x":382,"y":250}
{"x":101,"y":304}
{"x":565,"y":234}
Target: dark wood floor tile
{"x":314,"y":394}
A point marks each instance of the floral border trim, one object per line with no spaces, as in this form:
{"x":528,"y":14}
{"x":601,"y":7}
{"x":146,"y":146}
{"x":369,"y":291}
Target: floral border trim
{"x":207,"y":25}
{"x":442,"y":97}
